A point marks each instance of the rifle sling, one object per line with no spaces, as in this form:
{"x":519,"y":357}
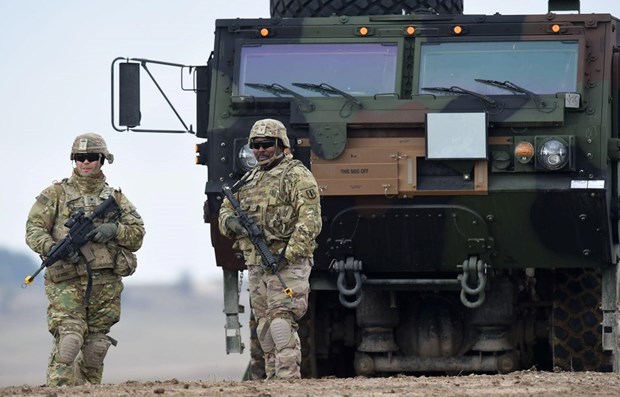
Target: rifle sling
{"x":89,"y":256}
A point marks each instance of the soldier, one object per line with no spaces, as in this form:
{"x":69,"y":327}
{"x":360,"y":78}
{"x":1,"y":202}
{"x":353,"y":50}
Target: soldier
{"x":81,"y":313}
{"x":282,"y":196}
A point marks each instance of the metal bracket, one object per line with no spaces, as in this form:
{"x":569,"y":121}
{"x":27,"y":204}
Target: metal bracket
{"x":232,"y":308}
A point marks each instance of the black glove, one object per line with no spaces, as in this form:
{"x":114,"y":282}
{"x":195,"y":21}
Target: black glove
{"x":233,"y":224}
{"x":103,"y":233}
{"x":73,"y":257}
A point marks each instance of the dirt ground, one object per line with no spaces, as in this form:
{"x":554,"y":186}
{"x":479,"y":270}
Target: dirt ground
{"x":524,"y":383}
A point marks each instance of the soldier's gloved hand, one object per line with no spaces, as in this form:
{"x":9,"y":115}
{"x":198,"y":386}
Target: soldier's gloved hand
{"x":103,"y":233}
{"x":234,"y":225}
{"x":73,"y":257}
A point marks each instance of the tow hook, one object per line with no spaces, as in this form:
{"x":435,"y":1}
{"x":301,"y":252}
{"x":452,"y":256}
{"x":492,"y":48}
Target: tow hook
{"x":351,"y":265}
{"x":475,"y":269}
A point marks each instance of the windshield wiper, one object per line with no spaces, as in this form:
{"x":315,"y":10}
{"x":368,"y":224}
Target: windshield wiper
{"x":279,"y":90}
{"x":458,"y":90}
{"x":327,"y":90}
{"x":507,"y":85}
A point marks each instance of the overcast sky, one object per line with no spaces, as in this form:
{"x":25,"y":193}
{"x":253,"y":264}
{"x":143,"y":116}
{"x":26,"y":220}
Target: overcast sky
{"x":55,"y":84}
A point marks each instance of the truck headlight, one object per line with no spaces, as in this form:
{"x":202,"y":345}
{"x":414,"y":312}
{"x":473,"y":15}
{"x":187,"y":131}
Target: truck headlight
{"x":553,"y":154}
{"x":247,"y":160}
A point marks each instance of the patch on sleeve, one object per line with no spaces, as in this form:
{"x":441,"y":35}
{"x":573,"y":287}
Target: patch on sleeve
{"x":310,"y":193}
{"x":43,"y":199}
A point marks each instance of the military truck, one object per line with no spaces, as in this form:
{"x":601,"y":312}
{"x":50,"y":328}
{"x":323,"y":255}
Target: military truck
{"x":468,"y":170}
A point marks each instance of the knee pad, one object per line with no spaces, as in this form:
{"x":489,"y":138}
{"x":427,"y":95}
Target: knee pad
{"x":264,"y":336}
{"x":282,"y":333}
{"x":69,"y":345}
{"x":94,"y":351}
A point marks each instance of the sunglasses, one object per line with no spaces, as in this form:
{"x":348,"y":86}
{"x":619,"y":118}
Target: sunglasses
{"x":91,"y":157}
{"x":262,"y":144}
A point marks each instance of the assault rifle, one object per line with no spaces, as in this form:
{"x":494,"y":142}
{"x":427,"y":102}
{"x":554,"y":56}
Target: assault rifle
{"x":79,"y":228}
{"x":256,"y":237}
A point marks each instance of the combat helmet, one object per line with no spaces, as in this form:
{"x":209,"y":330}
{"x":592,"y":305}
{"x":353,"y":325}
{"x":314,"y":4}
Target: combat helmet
{"x":269,"y":128}
{"x":91,"y":143}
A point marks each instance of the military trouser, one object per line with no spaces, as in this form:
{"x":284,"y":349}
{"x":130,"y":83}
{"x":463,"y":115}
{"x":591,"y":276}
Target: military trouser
{"x":277,"y":315}
{"x":80,"y":333}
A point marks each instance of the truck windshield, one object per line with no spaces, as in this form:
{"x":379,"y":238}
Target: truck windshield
{"x":359,"y":69}
{"x":543,"y":67}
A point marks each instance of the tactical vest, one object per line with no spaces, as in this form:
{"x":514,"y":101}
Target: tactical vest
{"x":264,"y":198}
{"x":69,"y":201}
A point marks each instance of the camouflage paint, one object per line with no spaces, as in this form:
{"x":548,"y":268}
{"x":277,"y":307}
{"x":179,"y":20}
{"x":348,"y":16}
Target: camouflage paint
{"x":519,"y":196}
{"x":407,"y":218}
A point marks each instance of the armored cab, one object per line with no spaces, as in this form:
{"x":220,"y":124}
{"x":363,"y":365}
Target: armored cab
{"x":468,"y":170}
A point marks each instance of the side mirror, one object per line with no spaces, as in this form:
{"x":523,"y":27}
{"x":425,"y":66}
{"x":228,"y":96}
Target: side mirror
{"x":129,"y":94}
{"x":129,"y":114}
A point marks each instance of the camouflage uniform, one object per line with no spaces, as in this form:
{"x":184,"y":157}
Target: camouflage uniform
{"x":80,"y":332}
{"x":284,"y":201}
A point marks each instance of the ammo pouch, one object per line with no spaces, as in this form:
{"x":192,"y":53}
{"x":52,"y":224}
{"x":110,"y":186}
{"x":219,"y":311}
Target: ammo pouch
{"x":125,"y":263}
{"x":61,"y":271}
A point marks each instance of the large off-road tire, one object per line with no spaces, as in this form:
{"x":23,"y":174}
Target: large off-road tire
{"x":325,"y":8}
{"x":576,"y":322}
